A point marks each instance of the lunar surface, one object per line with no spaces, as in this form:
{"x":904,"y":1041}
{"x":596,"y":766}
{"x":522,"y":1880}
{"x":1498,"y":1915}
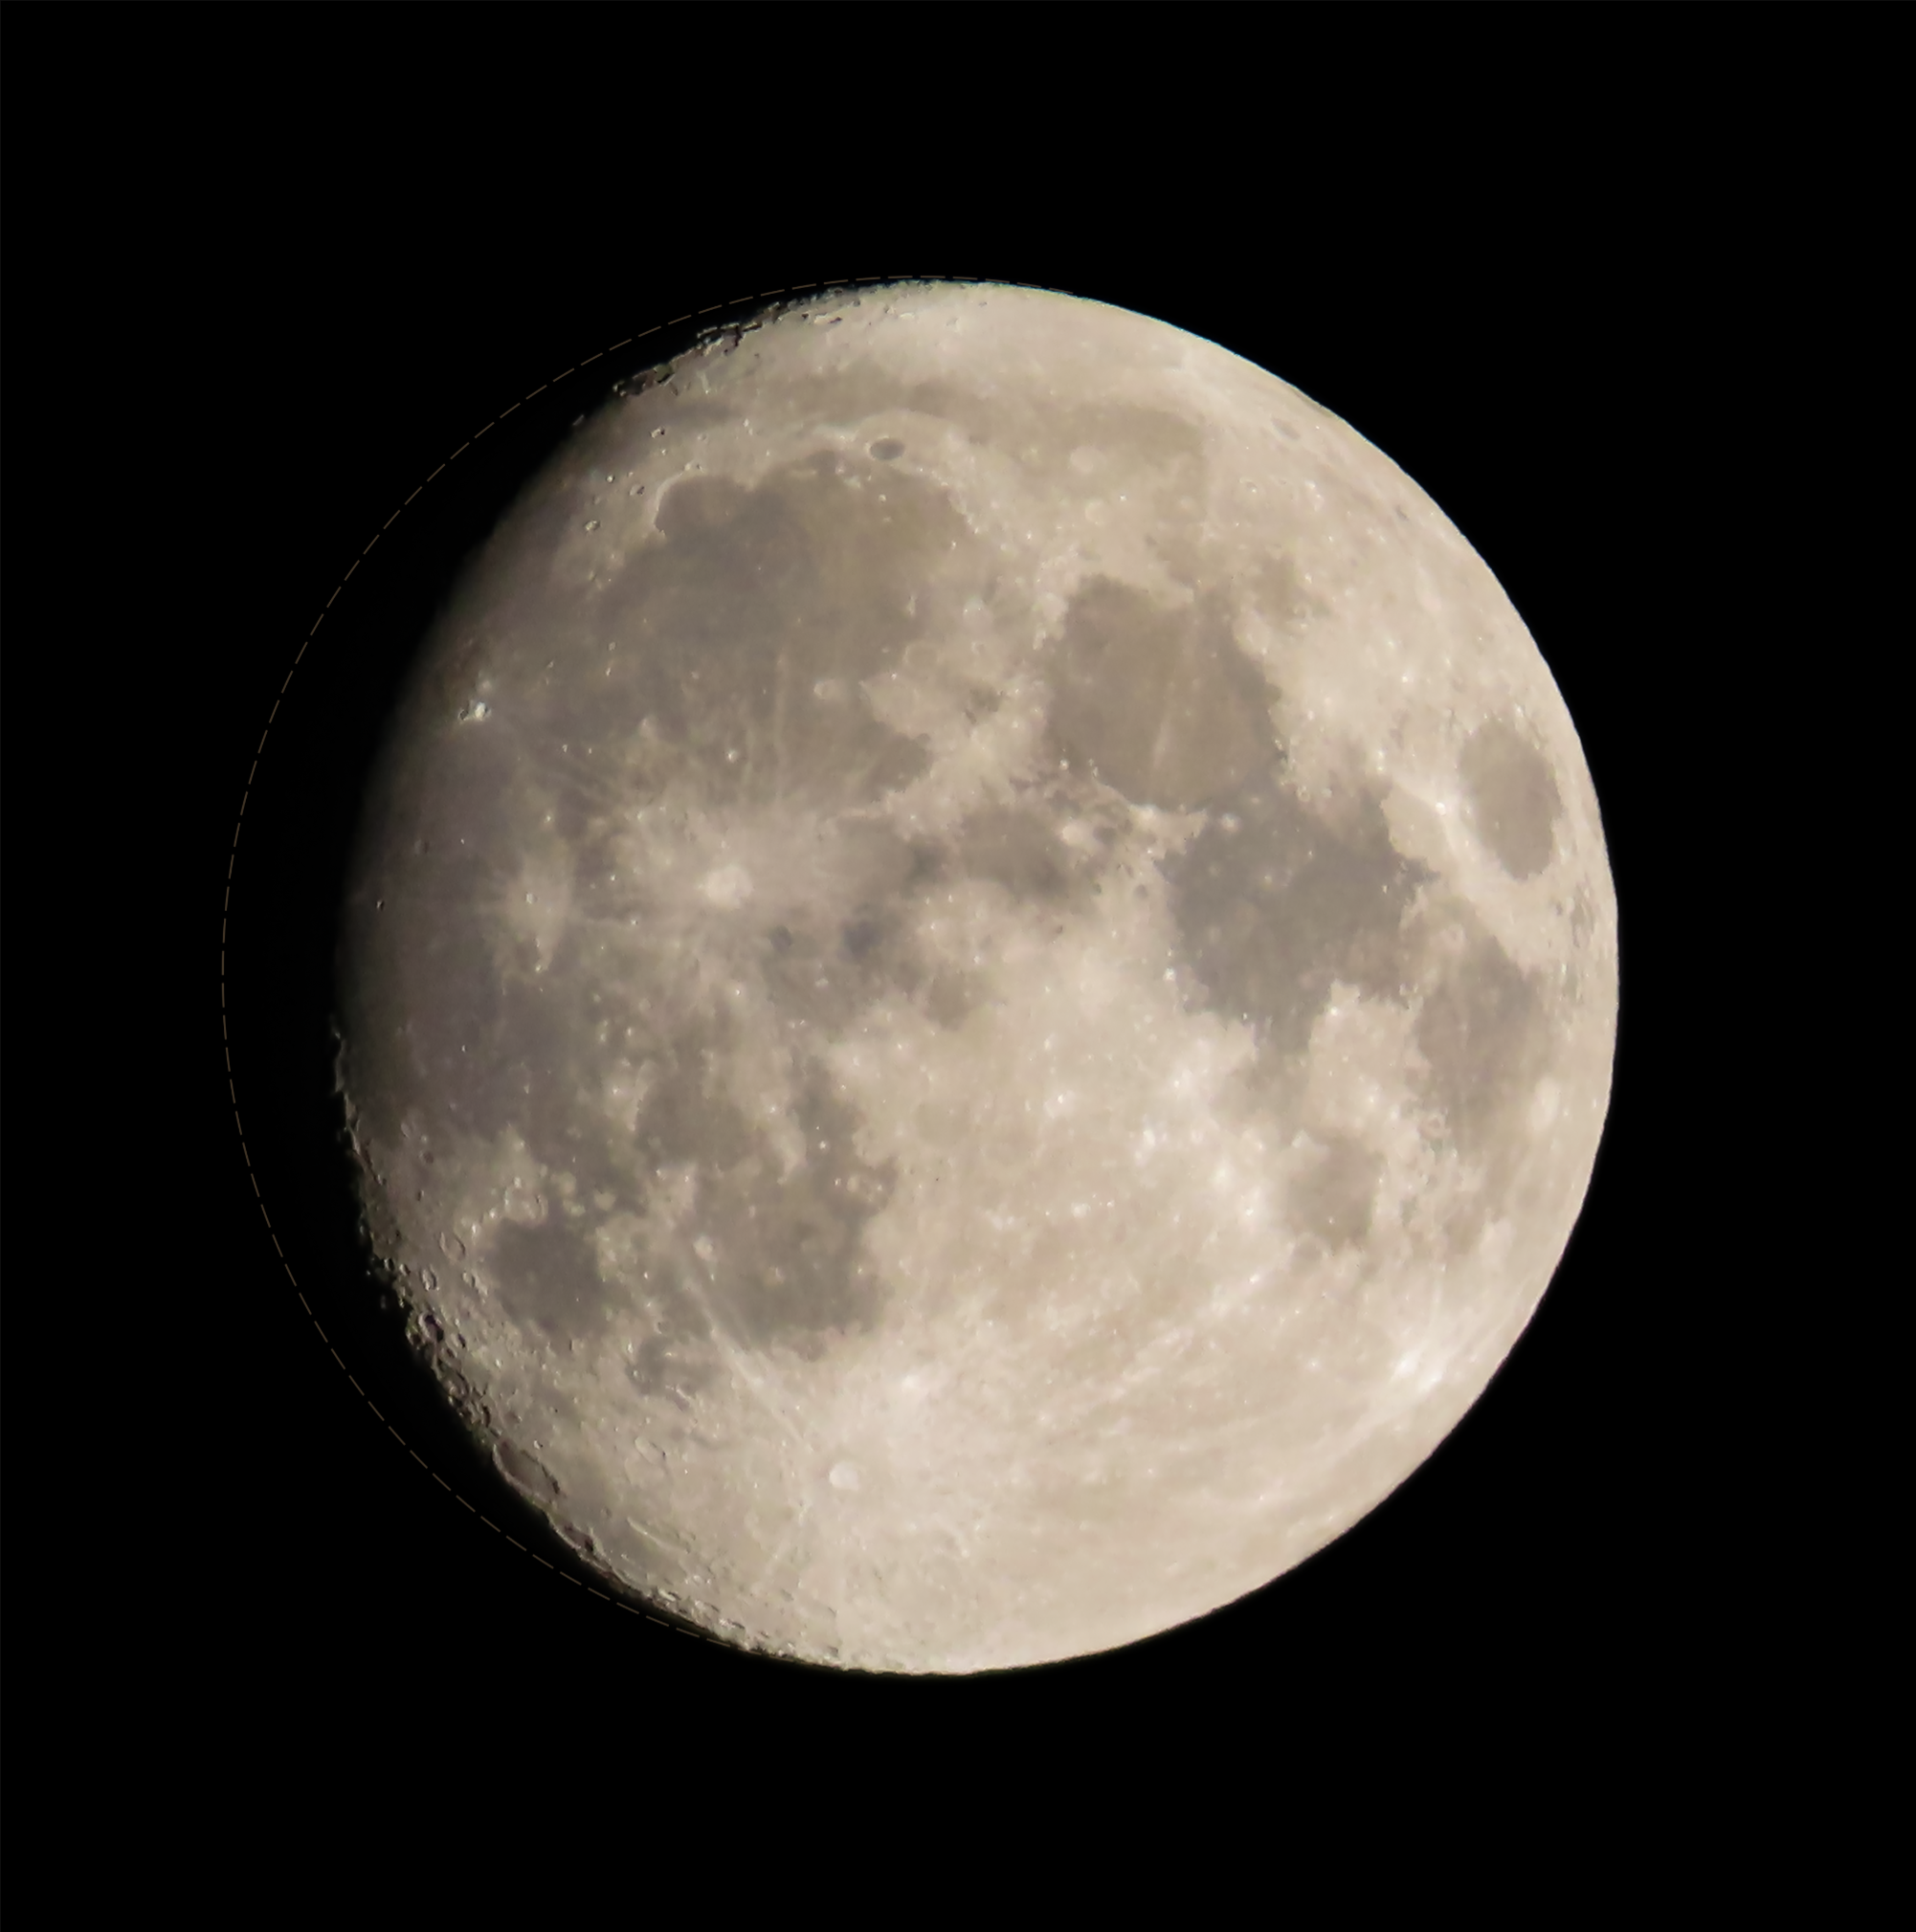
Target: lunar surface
{"x":979,"y":989}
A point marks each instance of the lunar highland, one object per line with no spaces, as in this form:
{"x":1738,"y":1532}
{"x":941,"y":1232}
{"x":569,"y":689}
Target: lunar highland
{"x":979,"y":987}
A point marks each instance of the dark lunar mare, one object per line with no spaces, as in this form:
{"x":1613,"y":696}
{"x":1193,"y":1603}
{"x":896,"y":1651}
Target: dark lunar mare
{"x":717,"y":631}
{"x":1275,"y":902}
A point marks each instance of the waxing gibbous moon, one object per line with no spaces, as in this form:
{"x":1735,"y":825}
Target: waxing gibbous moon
{"x":979,"y":984}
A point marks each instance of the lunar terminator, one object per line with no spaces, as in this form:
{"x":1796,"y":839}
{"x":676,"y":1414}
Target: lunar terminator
{"x":979,"y":984}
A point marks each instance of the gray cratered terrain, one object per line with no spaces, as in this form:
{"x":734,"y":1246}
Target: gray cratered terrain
{"x":982,"y":982}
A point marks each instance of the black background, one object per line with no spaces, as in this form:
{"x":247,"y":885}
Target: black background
{"x":1549,"y":1569}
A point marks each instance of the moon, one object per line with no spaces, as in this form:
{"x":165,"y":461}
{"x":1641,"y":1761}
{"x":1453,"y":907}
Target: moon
{"x":979,"y":984}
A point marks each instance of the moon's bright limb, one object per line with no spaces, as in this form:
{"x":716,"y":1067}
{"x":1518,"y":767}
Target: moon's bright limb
{"x":982,"y":988}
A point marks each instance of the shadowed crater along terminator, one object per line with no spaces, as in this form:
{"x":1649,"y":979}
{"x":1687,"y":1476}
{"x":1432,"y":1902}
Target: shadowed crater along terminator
{"x":978,"y":988}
